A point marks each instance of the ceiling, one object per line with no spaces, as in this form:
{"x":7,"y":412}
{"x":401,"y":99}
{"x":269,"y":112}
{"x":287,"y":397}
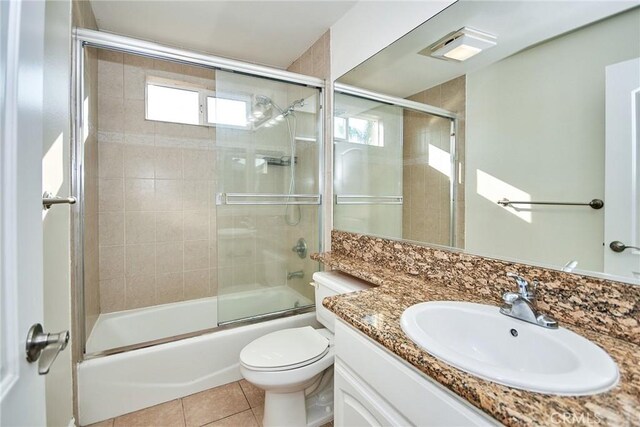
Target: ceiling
{"x":400,"y":71}
{"x":273,"y":33}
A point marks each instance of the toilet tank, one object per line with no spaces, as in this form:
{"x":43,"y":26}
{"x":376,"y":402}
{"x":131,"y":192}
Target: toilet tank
{"x":328,"y":283}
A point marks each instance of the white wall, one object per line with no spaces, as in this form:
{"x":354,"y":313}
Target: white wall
{"x":56,"y":225}
{"x":535,"y":121}
{"x":370,"y":26}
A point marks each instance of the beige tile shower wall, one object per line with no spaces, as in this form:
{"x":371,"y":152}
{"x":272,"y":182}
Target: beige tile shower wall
{"x":157,"y":180}
{"x":426,"y":210}
{"x":316,"y":62}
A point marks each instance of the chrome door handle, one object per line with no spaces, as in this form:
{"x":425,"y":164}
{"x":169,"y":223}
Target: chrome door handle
{"x":618,"y":246}
{"x":46,"y":345}
{"x":49,"y":200}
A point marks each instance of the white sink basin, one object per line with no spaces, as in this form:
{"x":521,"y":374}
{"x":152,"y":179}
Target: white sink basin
{"x":478,"y":339}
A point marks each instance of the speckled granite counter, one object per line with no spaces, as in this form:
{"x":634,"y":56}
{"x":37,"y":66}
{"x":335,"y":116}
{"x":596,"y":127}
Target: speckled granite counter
{"x":376,"y":312}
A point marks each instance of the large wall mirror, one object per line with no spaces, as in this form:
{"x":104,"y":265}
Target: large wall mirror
{"x":440,"y":135}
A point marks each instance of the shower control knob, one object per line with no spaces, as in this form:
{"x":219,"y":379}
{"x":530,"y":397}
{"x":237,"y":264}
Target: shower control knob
{"x":300,"y":248}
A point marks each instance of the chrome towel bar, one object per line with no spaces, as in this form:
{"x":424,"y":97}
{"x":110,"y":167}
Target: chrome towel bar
{"x":267,"y":199}
{"x":595,"y":203}
{"x":49,"y":200}
{"x":357,"y":199}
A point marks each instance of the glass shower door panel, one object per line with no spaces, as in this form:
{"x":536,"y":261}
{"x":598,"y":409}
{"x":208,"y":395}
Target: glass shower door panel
{"x":267,"y":196}
{"x":368,"y":166}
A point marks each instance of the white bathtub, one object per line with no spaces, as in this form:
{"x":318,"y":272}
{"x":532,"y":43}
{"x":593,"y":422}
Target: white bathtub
{"x":124,"y":328}
{"x":114,"y":385}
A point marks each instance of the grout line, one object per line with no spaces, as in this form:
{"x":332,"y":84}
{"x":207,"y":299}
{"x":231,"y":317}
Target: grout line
{"x":184,"y":413}
{"x":244,"y":394}
{"x":224,"y":418}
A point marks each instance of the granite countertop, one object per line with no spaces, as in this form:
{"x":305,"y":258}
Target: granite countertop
{"x":376,"y":312}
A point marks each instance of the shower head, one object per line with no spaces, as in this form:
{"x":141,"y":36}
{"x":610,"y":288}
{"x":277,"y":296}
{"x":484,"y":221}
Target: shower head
{"x":262,"y":114}
{"x":291,"y":108}
{"x":263,"y":100}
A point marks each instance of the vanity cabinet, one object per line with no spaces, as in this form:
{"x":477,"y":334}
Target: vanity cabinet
{"x":374,"y":387}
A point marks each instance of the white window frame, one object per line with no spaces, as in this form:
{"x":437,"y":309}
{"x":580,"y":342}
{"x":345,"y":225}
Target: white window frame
{"x":234,"y":97}
{"x":379,"y":132}
{"x":203,"y":94}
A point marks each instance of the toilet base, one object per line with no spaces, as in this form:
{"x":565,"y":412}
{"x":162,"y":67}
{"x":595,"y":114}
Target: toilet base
{"x":296,"y":410}
{"x":284,"y":409}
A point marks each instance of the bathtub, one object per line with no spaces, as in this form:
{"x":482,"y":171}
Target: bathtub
{"x":124,"y":328}
{"x":120,"y":383}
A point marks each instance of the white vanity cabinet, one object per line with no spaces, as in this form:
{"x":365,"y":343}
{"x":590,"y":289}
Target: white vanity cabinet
{"x":374,"y":387}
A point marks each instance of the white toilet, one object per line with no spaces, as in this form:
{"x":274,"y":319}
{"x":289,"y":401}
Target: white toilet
{"x":295,"y":366}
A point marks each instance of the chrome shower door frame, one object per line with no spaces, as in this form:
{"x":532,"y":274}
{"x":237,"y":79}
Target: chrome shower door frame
{"x":90,"y":38}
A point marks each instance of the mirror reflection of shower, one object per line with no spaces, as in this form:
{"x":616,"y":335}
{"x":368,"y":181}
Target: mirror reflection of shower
{"x":260,"y":118}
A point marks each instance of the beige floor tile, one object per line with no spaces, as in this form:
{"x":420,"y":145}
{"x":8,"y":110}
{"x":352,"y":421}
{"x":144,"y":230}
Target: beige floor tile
{"x":106,"y":423}
{"x":214,"y":404}
{"x":258,"y":412}
{"x":243,"y":419}
{"x":168,"y":414}
{"x":254,"y":395}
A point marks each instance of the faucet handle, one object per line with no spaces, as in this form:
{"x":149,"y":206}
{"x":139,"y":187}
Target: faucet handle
{"x":524,"y":288}
{"x":510,"y":297}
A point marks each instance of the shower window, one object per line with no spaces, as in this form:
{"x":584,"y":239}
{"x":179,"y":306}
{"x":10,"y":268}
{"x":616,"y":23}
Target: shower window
{"x":181,"y":102}
{"x":226,"y":111}
{"x":172,"y":104}
{"x":359,"y":130}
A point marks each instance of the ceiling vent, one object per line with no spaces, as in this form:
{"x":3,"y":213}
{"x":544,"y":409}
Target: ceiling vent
{"x":460,"y":45}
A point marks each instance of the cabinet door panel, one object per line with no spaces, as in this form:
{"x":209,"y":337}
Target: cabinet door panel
{"x":355,"y":414}
{"x":357,"y":405}
{"x":419,"y":399}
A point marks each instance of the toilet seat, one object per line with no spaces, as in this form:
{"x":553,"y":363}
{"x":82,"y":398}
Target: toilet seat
{"x":284,"y":350}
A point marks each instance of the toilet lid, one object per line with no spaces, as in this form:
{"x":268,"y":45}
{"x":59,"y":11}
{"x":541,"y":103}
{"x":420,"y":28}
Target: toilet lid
{"x":286,"y":349}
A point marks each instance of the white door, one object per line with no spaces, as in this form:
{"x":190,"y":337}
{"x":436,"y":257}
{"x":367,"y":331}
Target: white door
{"x":22,"y":395}
{"x":622,"y":170}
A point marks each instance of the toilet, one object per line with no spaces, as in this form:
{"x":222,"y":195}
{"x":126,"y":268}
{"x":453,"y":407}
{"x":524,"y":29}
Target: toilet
{"x":295,"y":366}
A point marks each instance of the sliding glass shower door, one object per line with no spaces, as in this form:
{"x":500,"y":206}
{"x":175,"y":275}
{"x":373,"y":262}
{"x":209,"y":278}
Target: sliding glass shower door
{"x":368,"y":166}
{"x":268,"y":148}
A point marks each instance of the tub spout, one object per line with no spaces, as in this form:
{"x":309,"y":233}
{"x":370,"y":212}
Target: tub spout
{"x":295,"y":275}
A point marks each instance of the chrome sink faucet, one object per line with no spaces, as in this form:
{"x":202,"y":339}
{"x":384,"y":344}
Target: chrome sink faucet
{"x":522,"y":304}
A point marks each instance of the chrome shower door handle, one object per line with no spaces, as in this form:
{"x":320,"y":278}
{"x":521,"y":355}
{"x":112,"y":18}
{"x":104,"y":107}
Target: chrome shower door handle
{"x":618,"y":246}
{"x":44,"y":347}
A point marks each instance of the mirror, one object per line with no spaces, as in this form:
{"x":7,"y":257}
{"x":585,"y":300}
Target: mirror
{"x":544,"y":110}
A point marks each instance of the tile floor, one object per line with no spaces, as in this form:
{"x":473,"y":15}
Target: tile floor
{"x":238,"y":404}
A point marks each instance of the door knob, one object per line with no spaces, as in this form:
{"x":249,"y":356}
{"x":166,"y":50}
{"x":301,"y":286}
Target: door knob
{"x":46,"y":345}
{"x":618,"y":246}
